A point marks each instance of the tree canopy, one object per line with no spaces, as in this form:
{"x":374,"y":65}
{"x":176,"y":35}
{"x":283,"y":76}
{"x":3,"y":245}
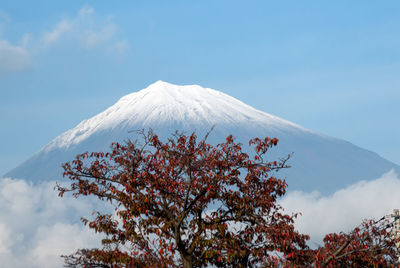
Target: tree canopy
{"x":186,"y":203}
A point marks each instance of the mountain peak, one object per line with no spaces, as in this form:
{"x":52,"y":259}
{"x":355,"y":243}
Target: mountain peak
{"x":163,"y":102}
{"x":162,"y":87}
{"x":319,"y":162}
{"x":182,"y":107}
{"x":165,"y":86}
{"x":161,"y":84}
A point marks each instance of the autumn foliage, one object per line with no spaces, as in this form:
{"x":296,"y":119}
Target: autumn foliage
{"x":369,"y":245}
{"x":186,"y":203}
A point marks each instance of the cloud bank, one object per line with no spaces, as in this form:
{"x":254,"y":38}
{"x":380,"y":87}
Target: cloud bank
{"x":36,"y":226}
{"x":346,"y":208}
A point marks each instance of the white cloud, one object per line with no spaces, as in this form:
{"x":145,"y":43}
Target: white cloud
{"x":346,"y":208}
{"x":91,"y":38}
{"x":13,"y":57}
{"x":5,"y":239}
{"x":59,"y":30}
{"x":37,"y":226}
{"x":121,"y":47}
{"x":86,"y":10}
{"x":59,"y":239}
{"x":87,"y":31}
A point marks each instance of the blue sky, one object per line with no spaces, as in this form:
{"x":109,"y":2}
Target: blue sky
{"x":330,"y":66}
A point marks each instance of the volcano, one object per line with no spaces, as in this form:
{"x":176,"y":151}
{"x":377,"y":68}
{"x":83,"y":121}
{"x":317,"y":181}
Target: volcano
{"x":319,"y":162}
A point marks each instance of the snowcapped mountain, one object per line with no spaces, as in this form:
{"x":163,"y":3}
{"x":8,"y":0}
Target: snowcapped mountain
{"x":319,"y":162}
{"x":163,"y":105}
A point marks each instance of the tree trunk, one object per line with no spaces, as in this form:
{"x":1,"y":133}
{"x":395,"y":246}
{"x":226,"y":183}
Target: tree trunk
{"x":187,"y":261}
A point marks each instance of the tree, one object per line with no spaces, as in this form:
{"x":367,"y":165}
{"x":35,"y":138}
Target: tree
{"x":368,"y":245}
{"x":186,"y":203}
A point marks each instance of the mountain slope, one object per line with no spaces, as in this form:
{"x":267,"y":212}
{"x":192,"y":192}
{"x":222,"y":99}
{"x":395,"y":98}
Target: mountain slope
{"x":319,"y":162}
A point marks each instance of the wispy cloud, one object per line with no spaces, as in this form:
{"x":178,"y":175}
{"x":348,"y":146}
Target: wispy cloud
{"x":86,"y":30}
{"x":86,"y":10}
{"x":91,"y":38}
{"x":59,"y":30}
{"x":121,"y":47}
{"x":13,"y":57}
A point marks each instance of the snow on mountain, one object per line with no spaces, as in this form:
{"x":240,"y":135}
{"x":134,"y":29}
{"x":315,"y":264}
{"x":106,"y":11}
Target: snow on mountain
{"x":163,"y":104}
{"x":319,"y":162}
